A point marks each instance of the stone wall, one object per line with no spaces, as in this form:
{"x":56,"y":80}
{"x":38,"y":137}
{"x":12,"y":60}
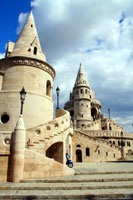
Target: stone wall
{"x":35,"y":107}
{"x":39,"y":166}
{"x":3,"y":167}
{"x":37,"y":78}
{"x":98,"y":150}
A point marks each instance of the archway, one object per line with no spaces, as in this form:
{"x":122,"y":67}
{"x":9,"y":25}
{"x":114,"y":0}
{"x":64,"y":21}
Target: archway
{"x":55,"y":151}
{"x":78,"y":155}
{"x":94,"y":113}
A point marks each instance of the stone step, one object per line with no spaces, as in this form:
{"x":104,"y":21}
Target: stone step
{"x":66,"y":186}
{"x":100,"y":173}
{"x":63,"y":194}
{"x":92,"y":181}
{"x":83,"y":178}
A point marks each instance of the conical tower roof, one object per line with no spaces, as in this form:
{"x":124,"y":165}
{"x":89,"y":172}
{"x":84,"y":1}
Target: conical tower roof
{"x":28,"y":44}
{"x":81,"y":79}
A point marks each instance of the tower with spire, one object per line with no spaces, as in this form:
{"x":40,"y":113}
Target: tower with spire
{"x":28,"y":43}
{"x":83,"y":106}
{"x":25,"y":66}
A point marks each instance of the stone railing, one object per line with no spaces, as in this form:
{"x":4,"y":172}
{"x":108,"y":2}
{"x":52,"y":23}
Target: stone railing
{"x":105,"y":133}
{"x":50,"y":129}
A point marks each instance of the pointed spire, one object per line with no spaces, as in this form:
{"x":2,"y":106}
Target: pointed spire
{"x":28,"y":43}
{"x":81,"y":79}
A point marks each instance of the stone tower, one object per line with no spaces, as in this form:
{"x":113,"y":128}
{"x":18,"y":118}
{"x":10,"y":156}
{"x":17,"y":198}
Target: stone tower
{"x":25,"y":65}
{"x":83,"y":106}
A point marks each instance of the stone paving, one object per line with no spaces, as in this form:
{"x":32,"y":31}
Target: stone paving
{"x":104,"y":167}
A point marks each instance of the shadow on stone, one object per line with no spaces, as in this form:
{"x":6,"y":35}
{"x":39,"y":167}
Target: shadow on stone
{"x":31,"y":197}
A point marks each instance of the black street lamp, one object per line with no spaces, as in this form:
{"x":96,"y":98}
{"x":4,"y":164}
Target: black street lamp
{"x":109,"y":112}
{"x":57,"y":92}
{"x":22,"y":98}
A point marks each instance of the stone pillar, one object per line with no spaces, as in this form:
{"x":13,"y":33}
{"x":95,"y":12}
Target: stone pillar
{"x":17,"y":151}
{"x":64,"y":150}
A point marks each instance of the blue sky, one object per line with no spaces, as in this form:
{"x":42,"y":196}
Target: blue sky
{"x":9,"y":13}
{"x":96,"y":33}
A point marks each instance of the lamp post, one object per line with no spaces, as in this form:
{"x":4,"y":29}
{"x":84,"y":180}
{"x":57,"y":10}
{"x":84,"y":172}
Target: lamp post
{"x":22,"y":98}
{"x":109,"y":112}
{"x":122,"y":146}
{"x":57,"y":92}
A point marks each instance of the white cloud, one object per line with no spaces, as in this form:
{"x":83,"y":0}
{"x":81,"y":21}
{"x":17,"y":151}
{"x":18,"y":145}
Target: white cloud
{"x":2,"y":55}
{"x":21,"y":20}
{"x":96,"y":34}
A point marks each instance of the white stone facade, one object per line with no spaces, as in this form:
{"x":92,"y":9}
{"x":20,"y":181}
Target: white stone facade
{"x":92,"y":138}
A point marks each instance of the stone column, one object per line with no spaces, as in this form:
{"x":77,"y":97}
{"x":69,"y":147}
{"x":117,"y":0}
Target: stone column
{"x":64,"y":150}
{"x":17,"y":151}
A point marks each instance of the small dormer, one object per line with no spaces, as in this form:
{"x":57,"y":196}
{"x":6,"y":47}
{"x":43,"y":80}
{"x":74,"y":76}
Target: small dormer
{"x":10,"y":47}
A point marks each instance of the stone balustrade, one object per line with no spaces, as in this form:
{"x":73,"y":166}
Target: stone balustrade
{"x":105,"y":133}
{"x":50,"y":129}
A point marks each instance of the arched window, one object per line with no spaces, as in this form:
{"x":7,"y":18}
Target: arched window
{"x":94,"y":113}
{"x":48,"y":88}
{"x":81,"y":91}
{"x":87,"y":152}
{"x":83,"y":125}
{"x":35,"y":51}
{"x":113,"y":142}
{"x":99,"y":152}
{"x":78,"y":145}
{"x":86,"y":91}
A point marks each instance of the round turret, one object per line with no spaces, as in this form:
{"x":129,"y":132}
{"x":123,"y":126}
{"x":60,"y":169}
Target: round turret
{"x":83,"y":106}
{"x":25,"y":65}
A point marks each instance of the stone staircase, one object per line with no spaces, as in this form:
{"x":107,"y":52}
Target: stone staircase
{"x":91,"y":181}
{"x":38,"y":137}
